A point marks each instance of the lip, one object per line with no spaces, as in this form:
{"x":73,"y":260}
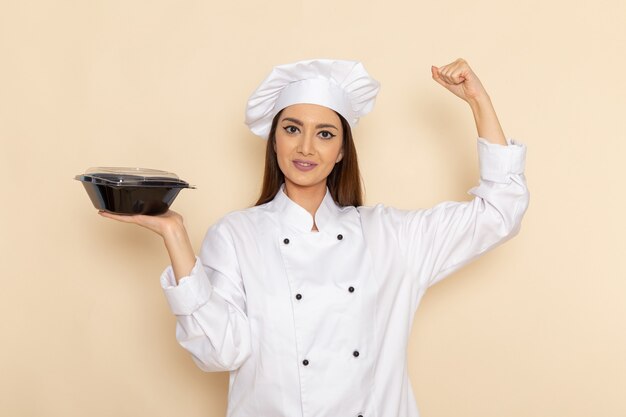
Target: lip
{"x":304,"y":165}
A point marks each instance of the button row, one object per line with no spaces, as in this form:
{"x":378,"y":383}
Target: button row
{"x":355,"y":354}
{"x":299,"y":296}
{"x":286,"y":240}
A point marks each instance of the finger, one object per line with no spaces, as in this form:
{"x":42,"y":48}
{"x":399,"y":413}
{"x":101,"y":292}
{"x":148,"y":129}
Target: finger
{"x":442,"y":75}
{"x":118,"y":217}
{"x":437,"y":76}
{"x":442,"y":72}
{"x":451,"y":72}
{"x":457,"y":63}
{"x":435,"y":73}
{"x":463,"y":68}
{"x":447,"y":74}
{"x":454,"y":73}
{"x":457,"y":76}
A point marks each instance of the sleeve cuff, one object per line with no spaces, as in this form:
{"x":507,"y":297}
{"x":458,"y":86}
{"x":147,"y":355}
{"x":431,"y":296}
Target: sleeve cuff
{"x":499,"y":162}
{"x":192,"y":292}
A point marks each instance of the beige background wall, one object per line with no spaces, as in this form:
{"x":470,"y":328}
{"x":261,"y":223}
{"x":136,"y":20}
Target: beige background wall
{"x":533,"y":329}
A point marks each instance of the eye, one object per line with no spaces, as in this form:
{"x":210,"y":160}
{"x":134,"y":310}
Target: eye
{"x":291,"y":129}
{"x":325,"y":134}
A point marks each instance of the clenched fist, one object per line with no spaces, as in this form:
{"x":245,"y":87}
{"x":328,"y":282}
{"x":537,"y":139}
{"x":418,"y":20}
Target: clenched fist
{"x":459,"y":78}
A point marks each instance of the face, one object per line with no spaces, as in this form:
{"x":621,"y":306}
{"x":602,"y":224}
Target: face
{"x":309,"y":141}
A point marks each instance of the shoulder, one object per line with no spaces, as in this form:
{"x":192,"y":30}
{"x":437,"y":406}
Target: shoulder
{"x":381,"y":222}
{"x":243,"y":221}
{"x":381,"y":212}
{"x":237,"y":217}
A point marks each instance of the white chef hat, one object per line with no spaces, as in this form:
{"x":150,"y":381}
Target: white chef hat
{"x":343,"y":86}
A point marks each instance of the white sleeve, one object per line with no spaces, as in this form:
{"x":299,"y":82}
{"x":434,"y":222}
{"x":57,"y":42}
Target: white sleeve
{"x":210,"y":305}
{"x":440,"y":240}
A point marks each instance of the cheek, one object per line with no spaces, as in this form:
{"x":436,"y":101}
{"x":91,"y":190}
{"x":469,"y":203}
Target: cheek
{"x":283,"y":154}
{"x":334,"y":154}
{"x":281,"y":148}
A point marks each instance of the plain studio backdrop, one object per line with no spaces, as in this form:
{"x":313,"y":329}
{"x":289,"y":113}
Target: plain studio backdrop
{"x":534,"y":328}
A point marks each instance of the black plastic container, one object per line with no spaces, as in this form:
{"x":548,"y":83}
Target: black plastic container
{"x":131,"y":190}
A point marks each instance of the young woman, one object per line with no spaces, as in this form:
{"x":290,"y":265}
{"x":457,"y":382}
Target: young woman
{"x":308,"y":297}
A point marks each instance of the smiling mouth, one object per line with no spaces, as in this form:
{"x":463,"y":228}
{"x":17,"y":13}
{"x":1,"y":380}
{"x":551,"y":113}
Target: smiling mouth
{"x":304,"y":165}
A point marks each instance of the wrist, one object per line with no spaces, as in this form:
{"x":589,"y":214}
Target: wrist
{"x":174,"y":232}
{"x":480,"y":102}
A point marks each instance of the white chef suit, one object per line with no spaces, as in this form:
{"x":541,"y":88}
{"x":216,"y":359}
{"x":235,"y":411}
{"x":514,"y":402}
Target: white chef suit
{"x":316,"y":324}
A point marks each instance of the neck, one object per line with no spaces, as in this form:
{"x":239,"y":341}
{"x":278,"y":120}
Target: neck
{"x":309,"y":198}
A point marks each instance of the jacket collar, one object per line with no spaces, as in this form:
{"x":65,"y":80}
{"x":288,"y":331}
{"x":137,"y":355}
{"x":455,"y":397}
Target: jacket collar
{"x":297,"y":217}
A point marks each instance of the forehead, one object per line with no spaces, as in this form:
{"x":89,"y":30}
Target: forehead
{"x":311,"y":113}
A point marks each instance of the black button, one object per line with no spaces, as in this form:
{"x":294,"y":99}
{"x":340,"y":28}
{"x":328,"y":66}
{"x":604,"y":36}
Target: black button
{"x":286,"y":241}
{"x":339,"y":236}
{"x":305,"y":362}
{"x":351,"y":289}
{"x":355,"y":353}
{"x":360,"y":415}
{"x":298,"y":296}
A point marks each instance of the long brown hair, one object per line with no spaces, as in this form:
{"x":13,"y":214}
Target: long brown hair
{"x":344,"y":181}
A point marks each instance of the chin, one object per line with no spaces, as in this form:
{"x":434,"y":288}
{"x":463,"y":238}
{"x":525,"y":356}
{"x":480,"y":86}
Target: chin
{"x":306,"y":183}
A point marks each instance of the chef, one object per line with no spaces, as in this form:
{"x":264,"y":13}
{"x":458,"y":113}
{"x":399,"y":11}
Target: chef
{"x":308,"y":297}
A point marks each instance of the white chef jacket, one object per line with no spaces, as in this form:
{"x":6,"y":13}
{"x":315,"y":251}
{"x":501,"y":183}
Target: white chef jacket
{"x":316,"y":324}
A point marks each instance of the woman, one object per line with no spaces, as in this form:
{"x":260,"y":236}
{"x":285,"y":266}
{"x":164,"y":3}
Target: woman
{"x":308,"y":297}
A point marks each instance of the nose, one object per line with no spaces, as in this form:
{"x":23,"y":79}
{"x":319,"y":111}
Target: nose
{"x":306,"y":146}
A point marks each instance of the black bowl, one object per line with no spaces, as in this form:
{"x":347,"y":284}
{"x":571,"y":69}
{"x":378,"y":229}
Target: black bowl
{"x":131,"y":194}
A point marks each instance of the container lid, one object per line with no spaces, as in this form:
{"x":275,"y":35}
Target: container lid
{"x":132,"y":177}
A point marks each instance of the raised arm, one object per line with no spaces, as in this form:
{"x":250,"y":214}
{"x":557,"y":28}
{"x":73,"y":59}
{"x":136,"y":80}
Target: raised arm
{"x":459,"y":78}
{"x":447,"y":236}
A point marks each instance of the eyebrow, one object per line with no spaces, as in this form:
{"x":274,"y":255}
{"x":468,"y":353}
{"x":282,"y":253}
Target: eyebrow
{"x":299,"y":123}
